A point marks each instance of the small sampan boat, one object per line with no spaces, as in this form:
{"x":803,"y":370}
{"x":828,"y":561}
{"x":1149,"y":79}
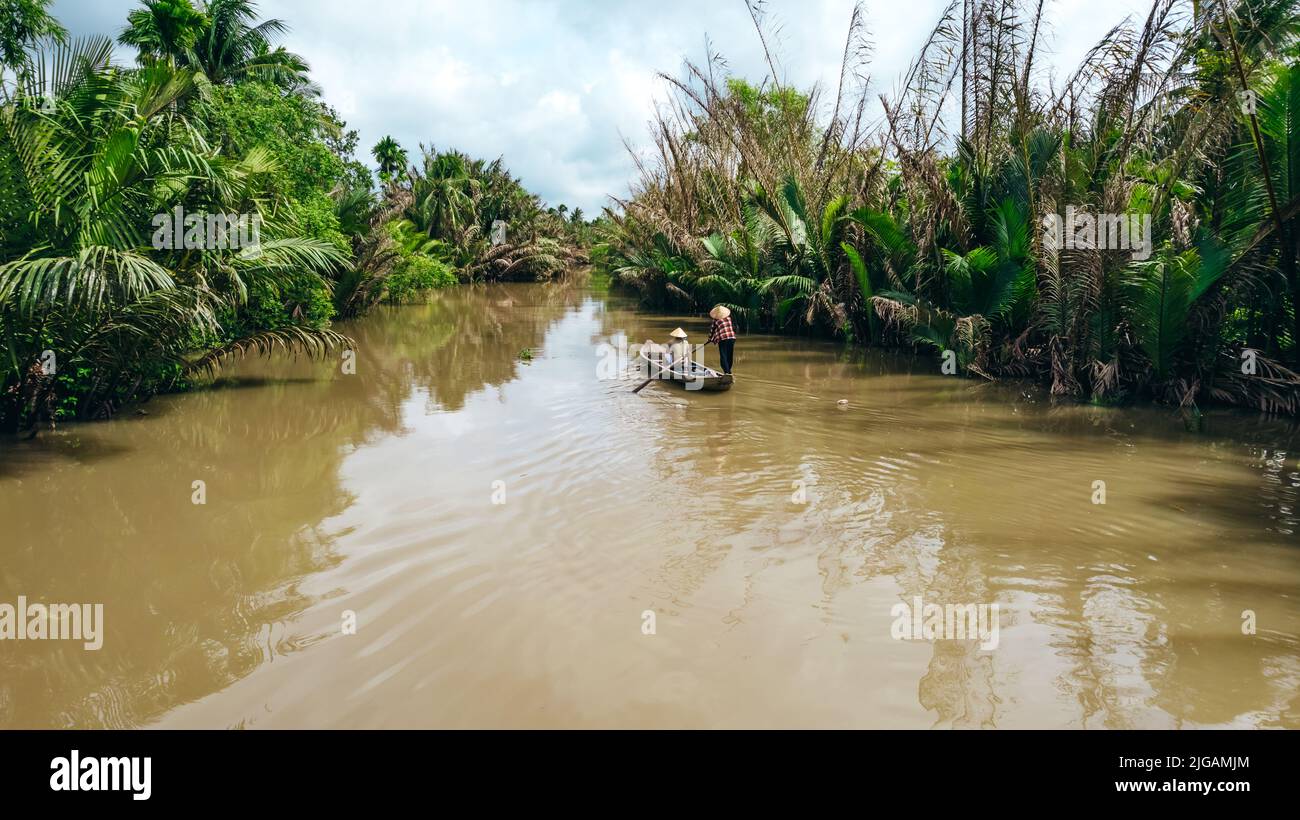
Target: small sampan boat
{"x":698,"y":377}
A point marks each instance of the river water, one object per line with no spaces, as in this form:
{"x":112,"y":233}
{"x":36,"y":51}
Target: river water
{"x":474,"y":530}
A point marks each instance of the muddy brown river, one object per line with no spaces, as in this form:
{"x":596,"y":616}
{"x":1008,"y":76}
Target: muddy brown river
{"x":474,"y":530}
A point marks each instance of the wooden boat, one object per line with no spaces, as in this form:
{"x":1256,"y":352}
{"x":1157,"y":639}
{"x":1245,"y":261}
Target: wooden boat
{"x":698,"y":378}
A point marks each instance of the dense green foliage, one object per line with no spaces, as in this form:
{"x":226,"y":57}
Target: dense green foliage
{"x":440,"y":216}
{"x":120,"y":275}
{"x":930,"y":233}
{"x":22,"y":24}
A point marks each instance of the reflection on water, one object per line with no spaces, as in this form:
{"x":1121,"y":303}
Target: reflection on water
{"x":373,"y":494}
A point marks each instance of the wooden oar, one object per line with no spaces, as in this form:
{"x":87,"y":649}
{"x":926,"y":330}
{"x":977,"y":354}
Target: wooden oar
{"x":645,"y":383}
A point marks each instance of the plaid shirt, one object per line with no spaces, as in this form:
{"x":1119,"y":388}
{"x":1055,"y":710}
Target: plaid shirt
{"x":721,"y":331}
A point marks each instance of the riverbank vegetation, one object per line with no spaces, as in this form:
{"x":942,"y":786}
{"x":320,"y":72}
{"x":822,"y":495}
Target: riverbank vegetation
{"x":205,"y":203}
{"x":921,"y":224}
{"x":448,"y":218}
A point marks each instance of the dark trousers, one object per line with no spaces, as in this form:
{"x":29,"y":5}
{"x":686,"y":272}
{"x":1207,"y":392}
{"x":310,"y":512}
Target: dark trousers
{"x":726,"y":350}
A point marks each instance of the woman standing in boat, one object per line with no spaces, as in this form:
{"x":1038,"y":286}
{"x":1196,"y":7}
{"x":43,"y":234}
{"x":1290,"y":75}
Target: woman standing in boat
{"x":723,"y":335}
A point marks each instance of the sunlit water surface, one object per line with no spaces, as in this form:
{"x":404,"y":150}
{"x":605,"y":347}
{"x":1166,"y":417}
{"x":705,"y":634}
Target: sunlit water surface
{"x":373,"y":494}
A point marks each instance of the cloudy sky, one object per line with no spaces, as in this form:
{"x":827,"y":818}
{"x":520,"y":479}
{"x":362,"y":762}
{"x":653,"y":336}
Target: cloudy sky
{"x":554,"y":85}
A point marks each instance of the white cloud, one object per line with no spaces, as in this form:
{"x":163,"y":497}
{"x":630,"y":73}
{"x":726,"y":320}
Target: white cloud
{"x":551,"y":85}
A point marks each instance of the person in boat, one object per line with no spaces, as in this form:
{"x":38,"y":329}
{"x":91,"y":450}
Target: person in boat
{"x":723,"y":334}
{"x":678,"y":355}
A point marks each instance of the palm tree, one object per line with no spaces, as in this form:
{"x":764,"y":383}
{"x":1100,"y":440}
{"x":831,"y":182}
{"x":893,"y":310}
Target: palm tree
{"x":163,"y":29}
{"x":285,"y":69}
{"x":446,"y":192}
{"x":114,"y":153}
{"x":354,"y":208}
{"x":391,"y":157}
{"x":1248,"y":207}
{"x":221,"y":39}
{"x":804,"y":225}
{"x":22,"y":24}
{"x":230,"y":45}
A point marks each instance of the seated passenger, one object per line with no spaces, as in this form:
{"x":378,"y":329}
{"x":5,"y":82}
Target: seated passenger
{"x":679,"y":353}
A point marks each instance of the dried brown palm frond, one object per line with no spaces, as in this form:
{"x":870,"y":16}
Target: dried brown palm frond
{"x":894,"y":313}
{"x":1105,"y":378}
{"x":823,"y":307}
{"x":857,"y":53}
{"x":972,"y":332}
{"x":914,"y":111}
{"x":1273,"y":388}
